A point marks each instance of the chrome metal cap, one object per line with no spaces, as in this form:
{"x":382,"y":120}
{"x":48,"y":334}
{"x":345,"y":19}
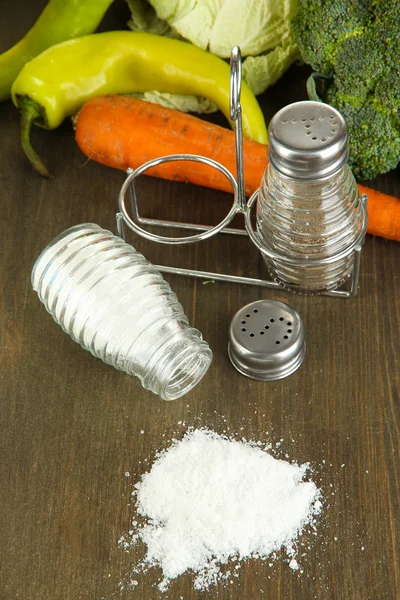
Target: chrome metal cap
{"x":266,"y":340}
{"x":307,"y":140}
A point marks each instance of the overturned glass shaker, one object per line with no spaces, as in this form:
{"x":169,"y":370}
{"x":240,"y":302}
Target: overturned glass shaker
{"x":115,"y":304}
{"x":310,"y":218}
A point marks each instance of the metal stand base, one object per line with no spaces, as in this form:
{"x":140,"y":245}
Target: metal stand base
{"x":348,"y":290}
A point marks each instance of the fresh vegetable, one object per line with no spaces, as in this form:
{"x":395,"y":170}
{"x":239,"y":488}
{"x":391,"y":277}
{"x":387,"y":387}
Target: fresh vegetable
{"x":60,"y":20}
{"x":383,"y":214}
{"x":125,"y":132}
{"x":262,"y":30}
{"x":355,"y":49}
{"x":56,"y":83}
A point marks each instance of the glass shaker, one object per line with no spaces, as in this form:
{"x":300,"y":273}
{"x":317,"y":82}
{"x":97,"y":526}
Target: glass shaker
{"x":309,"y":213}
{"x":116,"y":305}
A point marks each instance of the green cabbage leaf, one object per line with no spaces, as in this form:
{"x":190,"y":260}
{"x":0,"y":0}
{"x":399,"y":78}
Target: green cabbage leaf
{"x":261,"y":28}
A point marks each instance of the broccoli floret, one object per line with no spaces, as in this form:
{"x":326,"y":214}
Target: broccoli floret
{"x":374,"y":135}
{"x":319,"y":25}
{"x":356,"y":46}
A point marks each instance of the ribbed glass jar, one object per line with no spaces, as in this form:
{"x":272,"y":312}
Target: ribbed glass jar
{"x":306,"y":221}
{"x":310,"y":218}
{"x":115,"y":304}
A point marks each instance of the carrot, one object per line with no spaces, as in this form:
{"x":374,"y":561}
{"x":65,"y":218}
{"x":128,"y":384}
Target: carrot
{"x":383,"y":214}
{"x":123,"y":132}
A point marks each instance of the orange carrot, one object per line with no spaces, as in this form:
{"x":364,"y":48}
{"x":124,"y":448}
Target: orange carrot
{"x":124,"y":132}
{"x":383,"y":213}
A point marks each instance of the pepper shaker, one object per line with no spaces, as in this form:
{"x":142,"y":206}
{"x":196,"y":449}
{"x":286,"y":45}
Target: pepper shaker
{"x":309,"y":211}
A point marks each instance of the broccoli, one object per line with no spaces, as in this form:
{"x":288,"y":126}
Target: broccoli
{"x":355,"y":48}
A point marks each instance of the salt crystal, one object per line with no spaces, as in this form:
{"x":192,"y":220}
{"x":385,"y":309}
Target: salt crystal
{"x":209,"y":499}
{"x":317,"y":506}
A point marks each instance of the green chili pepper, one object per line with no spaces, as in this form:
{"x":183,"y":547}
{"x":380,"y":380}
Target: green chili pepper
{"x":61,"y":20}
{"x":59,"y":81}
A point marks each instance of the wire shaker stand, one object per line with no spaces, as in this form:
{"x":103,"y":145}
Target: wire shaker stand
{"x":134,"y":221}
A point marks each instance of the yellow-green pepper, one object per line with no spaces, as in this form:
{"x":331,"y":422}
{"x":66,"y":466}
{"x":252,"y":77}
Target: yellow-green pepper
{"x":60,"y":20}
{"x":58,"y":82}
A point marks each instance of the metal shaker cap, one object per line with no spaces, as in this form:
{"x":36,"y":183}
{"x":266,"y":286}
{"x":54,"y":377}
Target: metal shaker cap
{"x":307,"y":140}
{"x":266,"y":340}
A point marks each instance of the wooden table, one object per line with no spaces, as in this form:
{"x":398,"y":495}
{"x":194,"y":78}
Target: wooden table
{"x":77,"y":434}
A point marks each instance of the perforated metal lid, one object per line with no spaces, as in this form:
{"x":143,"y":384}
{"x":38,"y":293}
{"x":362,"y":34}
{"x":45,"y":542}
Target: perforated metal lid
{"x":307,"y":140}
{"x":266,"y":340}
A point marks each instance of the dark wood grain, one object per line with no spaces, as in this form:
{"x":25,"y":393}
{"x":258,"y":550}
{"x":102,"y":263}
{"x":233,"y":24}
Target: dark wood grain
{"x":71,"y":426}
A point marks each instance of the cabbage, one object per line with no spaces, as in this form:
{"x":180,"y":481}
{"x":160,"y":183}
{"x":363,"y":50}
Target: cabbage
{"x":261,"y":28}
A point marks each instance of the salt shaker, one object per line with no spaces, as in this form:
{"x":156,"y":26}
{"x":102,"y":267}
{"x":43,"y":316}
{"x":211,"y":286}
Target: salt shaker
{"x":309,"y":211}
{"x":116,"y":305}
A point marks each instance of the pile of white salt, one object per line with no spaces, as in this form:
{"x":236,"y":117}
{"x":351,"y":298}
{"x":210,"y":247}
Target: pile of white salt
{"x":209,"y":499}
